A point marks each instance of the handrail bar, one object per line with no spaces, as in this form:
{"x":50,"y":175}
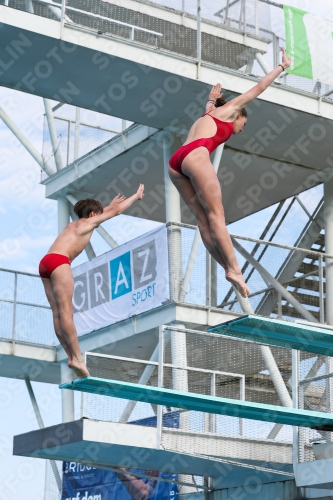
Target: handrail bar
{"x":155,"y":363}
{"x":263,"y":242}
{"x":314,"y":379}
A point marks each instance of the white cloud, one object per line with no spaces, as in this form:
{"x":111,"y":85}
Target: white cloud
{"x":20,"y":247}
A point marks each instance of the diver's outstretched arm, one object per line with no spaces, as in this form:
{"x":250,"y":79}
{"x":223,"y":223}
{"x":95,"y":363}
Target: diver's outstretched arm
{"x":235,"y":105}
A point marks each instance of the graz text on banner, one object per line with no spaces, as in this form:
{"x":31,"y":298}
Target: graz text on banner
{"x":124,"y":282}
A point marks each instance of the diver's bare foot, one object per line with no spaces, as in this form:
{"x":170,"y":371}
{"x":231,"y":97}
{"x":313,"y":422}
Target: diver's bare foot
{"x":79,"y":368}
{"x":237,"y":280}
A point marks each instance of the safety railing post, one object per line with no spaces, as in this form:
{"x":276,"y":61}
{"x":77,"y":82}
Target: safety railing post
{"x":208,"y":279}
{"x":198,"y":36}
{"x":242,"y":398}
{"x":159,"y":424}
{"x":132,"y":33}
{"x":226,"y":15}
{"x":62,"y":17}
{"x":244,"y":15}
{"x":276,"y":50}
{"x":329,"y":392}
{"x":279,"y":305}
{"x":14,"y":311}
{"x":301,"y":430}
{"x":212,"y":416}
{"x":321,"y":291}
{"x":295,"y":389}
{"x":256,"y":17}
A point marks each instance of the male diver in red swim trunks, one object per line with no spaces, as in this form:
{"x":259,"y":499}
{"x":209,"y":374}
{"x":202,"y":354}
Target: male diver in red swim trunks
{"x":192,"y":172}
{"x":57,"y":276}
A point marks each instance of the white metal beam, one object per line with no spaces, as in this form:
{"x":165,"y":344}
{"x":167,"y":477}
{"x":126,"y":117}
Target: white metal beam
{"x":270,"y":280}
{"x":77,"y":133}
{"x":263,"y":64}
{"x":173,"y":214}
{"x":63,"y":214}
{"x":53,"y":133}
{"x":26,"y":143}
{"x":67,"y":375}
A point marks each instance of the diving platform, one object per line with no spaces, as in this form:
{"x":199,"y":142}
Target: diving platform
{"x":276,"y":332}
{"x":204,"y":403}
{"x":110,"y":445}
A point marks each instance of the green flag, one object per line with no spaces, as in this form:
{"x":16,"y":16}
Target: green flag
{"x":309,"y":44}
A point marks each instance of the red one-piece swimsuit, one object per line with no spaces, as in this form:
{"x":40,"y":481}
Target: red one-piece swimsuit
{"x":223,"y":132}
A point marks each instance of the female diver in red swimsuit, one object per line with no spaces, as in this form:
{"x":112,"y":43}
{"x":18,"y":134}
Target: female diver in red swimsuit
{"x":193,"y":174}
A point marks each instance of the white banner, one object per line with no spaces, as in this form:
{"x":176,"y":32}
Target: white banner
{"x":124,"y":282}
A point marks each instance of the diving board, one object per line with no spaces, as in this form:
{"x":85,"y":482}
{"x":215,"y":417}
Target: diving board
{"x":109,"y":444}
{"x":199,"y":402}
{"x":276,"y":332}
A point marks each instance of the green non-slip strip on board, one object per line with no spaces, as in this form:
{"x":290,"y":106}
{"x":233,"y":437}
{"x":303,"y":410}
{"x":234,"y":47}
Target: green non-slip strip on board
{"x":198,"y":402}
{"x":279,"y":333}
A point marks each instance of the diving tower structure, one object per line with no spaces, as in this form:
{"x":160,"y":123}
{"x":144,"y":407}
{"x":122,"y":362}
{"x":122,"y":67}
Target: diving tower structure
{"x":153,"y":72}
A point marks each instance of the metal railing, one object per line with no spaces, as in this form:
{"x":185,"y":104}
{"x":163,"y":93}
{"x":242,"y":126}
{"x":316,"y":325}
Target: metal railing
{"x":179,"y":371}
{"x":25,"y":315}
{"x":299,"y":272}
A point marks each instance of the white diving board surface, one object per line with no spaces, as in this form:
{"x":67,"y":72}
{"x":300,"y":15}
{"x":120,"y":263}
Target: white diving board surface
{"x":276,"y":332}
{"x":199,"y":402}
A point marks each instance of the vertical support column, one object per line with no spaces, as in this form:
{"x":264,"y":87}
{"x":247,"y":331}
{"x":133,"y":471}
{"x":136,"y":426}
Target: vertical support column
{"x":63,"y":214}
{"x":178,"y":340}
{"x":62,"y":18}
{"x":179,"y":358}
{"x":180,"y":383}
{"x":173,"y":214}
{"x":198,"y":38}
{"x":328,"y":213}
{"x":77,"y":134}
{"x":53,"y":133}
{"x":67,"y":397}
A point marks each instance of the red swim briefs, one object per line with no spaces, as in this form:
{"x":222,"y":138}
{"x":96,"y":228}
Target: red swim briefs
{"x":50,"y":262}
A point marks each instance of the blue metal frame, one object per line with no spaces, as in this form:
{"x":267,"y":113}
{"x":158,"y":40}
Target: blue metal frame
{"x":199,"y":402}
{"x":278,"y":333}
